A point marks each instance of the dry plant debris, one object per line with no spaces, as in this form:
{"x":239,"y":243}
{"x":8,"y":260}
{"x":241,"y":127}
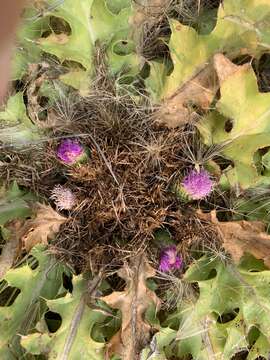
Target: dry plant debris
{"x":133,"y":302}
{"x":134,"y":82}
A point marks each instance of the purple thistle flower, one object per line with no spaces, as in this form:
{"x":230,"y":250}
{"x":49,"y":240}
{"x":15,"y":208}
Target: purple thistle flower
{"x":169,"y":260}
{"x":197,"y":184}
{"x":70,"y":151}
{"x":64,"y":198}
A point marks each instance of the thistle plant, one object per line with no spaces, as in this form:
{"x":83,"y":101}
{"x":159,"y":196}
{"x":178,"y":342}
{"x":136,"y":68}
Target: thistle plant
{"x":96,"y":88}
{"x":71,"y":152}
{"x":63,"y":198}
{"x":169,"y":260}
{"x":196,"y":185}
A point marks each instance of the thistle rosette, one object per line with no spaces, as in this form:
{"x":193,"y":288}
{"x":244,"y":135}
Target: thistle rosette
{"x":196,"y":185}
{"x":169,"y":259}
{"x":71,"y":152}
{"x":63,"y":198}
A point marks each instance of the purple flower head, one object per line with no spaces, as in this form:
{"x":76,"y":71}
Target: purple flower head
{"x":169,"y":260}
{"x":197,"y":184}
{"x":70,"y":151}
{"x":63,"y":197}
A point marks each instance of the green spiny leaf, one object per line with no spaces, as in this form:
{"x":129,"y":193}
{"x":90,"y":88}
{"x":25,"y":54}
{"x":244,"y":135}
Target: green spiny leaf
{"x":225,"y":289}
{"x":14,"y":204}
{"x":36,"y":343}
{"x":16,"y":128}
{"x":248,"y":111}
{"x":92,"y":22}
{"x":79,"y":44}
{"x":259,"y":348}
{"x":44,"y":281}
{"x":105,"y":24}
{"x":73,"y":339}
{"x":32,"y":28}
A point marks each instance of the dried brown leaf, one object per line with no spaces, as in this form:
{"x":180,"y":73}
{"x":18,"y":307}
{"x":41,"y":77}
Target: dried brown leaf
{"x":241,"y":237}
{"x":41,"y":228}
{"x":197,"y":93}
{"x":11,"y":249}
{"x":133,"y":303}
{"x":224,"y":67}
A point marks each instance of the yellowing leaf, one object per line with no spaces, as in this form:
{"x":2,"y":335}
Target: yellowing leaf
{"x":133,"y":303}
{"x":91,"y":22}
{"x":239,"y":26}
{"x":41,"y":228}
{"x":224,"y":289}
{"x":77,"y":78}
{"x":78,"y":45}
{"x":45,"y":281}
{"x":73,"y":339}
{"x":16,"y":127}
{"x":247,"y":111}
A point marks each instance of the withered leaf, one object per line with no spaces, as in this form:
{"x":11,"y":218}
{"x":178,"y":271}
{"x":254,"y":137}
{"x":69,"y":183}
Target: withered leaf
{"x":180,"y":108}
{"x":133,"y":302}
{"x":11,"y":249}
{"x":197,"y":93}
{"x":241,"y":237}
{"x":43,"y":227}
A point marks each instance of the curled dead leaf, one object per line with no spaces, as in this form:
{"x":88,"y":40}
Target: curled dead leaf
{"x":241,"y":237}
{"x":133,"y":303}
{"x":41,"y":228}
